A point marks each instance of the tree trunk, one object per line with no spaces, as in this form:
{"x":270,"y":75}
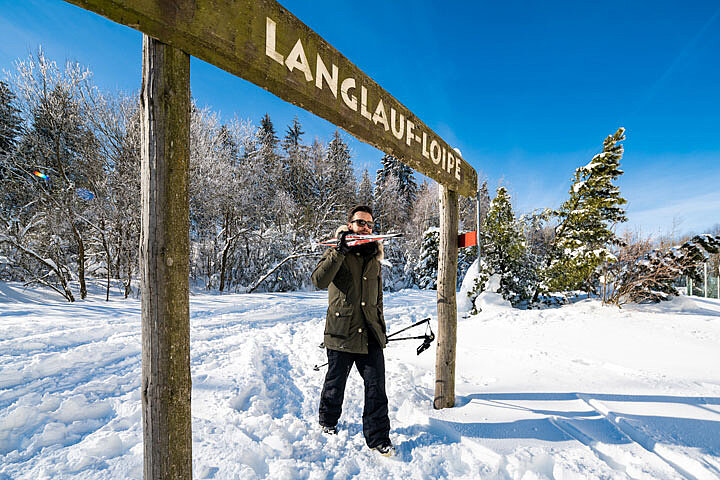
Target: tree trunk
{"x":81,"y":259}
{"x":164,"y":254}
{"x":226,"y":247}
{"x":108,"y":257}
{"x":446,"y":301}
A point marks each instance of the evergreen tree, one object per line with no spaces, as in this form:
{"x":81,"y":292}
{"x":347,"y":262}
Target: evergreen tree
{"x":585,"y":231}
{"x":342,"y":175}
{"x":406,"y":185}
{"x":297,"y":170}
{"x":261,"y":163}
{"x":10,"y":119}
{"x":267,"y":134}
{"x":10,"y":129}
{"x":365,"y":190}
{"x":390,"y":214}
{"x":293,"y":135}
{"x":426,"y":270}
{"x":503,"y":251}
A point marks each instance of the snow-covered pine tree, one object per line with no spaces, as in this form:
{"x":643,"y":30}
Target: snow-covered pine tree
{"x":389,"y":212}
{"x":10,"y":129}
{"x":407,"y":187}
{"x":266,"y":134}
{"x":298,"y":171}
{"x":503,"y":251}
{"x":342,"y":175}
{"x":365,"y":194}
{"x":426,"y":269}
{"x":326,"y":199}
{"x":586,"y":221}
{"x":10,"y":119}
{"x":293,"y":135}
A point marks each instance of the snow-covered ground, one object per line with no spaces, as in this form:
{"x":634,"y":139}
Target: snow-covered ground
{"x":582,"y":391}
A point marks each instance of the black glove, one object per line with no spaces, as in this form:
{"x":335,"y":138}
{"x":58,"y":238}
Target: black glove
{"x":342,"y":244}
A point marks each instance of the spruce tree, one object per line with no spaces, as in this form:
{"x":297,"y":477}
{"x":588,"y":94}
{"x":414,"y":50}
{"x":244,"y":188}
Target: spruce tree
{"x":407,"y":187}
{"x":342,"y":176}
{"x":585,"y":231}
{"x":365,"y":190}
{"x":426,"y":270}
{"x":296,"y":167}
{"x":10,"y":119}
{"x":503,"y":251}
{"x":267,"y":134}
{"x":293,"y":135}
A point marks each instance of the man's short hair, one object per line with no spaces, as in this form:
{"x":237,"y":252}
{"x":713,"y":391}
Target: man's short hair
{"x":359,"y":208}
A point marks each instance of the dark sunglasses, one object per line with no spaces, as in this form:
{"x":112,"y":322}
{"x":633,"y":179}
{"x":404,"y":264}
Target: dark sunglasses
{"x":363,"y":223}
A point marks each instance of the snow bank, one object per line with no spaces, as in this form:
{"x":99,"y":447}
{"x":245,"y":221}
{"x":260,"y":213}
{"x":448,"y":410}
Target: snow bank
{"x":488,"y":300}
{"x":464,"y":304}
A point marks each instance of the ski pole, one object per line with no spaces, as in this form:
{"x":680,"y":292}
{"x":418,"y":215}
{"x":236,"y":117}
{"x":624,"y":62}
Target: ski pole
{"x":426,"y":320}
{"x":427,"y":339}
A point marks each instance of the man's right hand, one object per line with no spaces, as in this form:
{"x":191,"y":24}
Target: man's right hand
{"x":342,"y":244}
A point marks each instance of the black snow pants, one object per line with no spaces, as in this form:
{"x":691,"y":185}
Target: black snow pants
{"x":376,"y":424}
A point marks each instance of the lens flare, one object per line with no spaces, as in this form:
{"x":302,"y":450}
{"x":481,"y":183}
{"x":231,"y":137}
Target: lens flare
{"x":85,"y":194}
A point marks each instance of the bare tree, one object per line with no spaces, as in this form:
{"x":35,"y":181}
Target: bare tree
{"x":57,"y":154}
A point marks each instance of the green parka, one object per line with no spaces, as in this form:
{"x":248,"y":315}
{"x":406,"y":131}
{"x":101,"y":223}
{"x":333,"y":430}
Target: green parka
{"x":355,"y":299}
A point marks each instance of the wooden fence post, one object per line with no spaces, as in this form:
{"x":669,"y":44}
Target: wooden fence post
{"x":164,"y":261}
{"x":446,"y":301}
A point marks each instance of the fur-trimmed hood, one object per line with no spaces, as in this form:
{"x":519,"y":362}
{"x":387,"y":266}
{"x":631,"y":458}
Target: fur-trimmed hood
{"x":380,"y":255}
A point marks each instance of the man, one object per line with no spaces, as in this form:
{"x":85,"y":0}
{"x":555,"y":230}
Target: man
{"x":355,"y":329}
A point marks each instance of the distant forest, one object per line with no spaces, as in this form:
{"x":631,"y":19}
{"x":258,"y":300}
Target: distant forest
{"x":262,"y":197}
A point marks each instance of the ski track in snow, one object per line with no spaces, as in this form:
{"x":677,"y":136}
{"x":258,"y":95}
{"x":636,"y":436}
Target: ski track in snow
{"x":582,"y":391}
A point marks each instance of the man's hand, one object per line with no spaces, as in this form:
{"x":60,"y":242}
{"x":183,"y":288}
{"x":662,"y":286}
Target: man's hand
{"x":342,"y":244}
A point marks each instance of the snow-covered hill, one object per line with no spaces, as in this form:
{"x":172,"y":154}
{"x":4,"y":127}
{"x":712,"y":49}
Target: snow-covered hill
{"x":582,"y":391}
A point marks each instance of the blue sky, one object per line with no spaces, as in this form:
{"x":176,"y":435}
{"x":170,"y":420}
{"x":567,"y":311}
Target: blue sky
{"x":526,"y":90}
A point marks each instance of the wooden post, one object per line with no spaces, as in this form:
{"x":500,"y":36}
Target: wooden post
{"x":164,"y":260}
{"x":477,"y":230}
{"x":446,"y":301}
{"x":705,"y":277}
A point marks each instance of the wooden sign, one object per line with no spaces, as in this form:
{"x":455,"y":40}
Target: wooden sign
{"x":262,"y":42}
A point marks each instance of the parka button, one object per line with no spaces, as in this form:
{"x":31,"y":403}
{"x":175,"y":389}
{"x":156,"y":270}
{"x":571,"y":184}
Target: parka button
{"x":359,"y":330}
{"x":357,"y":253}
{"x":362,"y":303}
{"x":337,"y":314}
{"x":364,"y":278}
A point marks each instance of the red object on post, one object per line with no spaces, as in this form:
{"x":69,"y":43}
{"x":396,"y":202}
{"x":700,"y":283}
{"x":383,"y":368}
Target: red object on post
{"x":468,"y":239}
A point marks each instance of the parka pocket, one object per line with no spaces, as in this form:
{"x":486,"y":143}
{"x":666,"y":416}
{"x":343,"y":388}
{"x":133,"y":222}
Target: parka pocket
{"x":337,"y":323}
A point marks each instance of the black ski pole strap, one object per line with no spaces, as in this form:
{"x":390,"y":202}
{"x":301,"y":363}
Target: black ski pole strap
{"x":419,"y":337}
{"x":425,"y":320}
